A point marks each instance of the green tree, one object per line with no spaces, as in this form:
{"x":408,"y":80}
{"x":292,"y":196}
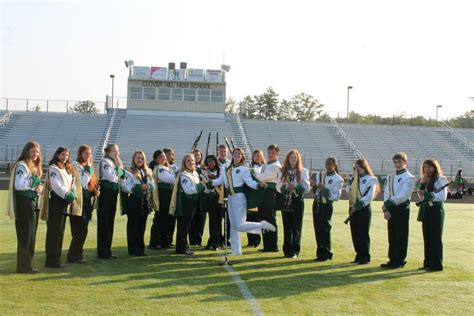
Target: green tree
{"x":249,"y":107}
{"x":306,"y":107}
{"x":232,"y":106}
{"x":286,"y":111}
{"x":267,"y":105}
{"x":84,"y":107}
{"x":465,"y":121}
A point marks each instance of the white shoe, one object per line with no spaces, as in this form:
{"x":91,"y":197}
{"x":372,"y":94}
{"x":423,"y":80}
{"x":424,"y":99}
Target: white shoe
{"x":267,"y":226}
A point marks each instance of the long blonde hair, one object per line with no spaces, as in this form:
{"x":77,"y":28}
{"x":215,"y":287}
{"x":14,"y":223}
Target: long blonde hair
{"x":35,"y":167}
{"x":135,"y":169}
{"x":183,"y":162}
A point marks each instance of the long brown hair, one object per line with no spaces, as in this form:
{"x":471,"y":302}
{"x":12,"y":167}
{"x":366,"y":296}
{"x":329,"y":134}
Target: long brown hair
{"x":286,"y":165}
{"x":108,"y":149}
{"x":241,"y":151}
{"x":135,"y":169}
{"x":80,"y":151}
{"x":333,"y":161}
{"x":35,"y":167}
{"x":261,"y":157}
{"x":364,"y":164}
{"x":92,"y":185}
{"x":55,"y":159}
{"x":437,"y":172}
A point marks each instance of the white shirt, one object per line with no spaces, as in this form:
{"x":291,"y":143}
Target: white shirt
{"x":165,"y":174}
{"x":269,"y":172}
{"x":304,"y":181}
{"x":107,"y":171}
{"x":367,"y":187}
{"x":225,"y":164}
{"x":61,"y":182}
{"x":189,"y":182}
{"x":85,"y":176}
{"x":443,"y":194}
{"x":23,"y":178}
{"x":403,"y":184}
{"x":131,"y":181}
{"x":240,"y":176}
{"x":333,"y":183}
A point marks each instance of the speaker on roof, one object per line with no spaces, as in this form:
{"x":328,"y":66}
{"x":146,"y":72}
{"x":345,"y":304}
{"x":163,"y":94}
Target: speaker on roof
{"x":171,"y":66}
{"x":183,"y":65}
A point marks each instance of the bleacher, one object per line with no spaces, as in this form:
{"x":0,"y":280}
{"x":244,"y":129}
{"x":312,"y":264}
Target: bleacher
{"x":156,"y":132}
{"x":316,"y":141}
{"x":379,"y":142}
{"x":51,"y":130}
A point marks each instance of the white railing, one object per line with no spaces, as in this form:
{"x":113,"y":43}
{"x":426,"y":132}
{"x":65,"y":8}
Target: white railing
{"x":107,"y":133}
{"x":243,"y":135}
{"x":347,"y":140}
{"x":460,"y":138}
{"x":5,"y":118}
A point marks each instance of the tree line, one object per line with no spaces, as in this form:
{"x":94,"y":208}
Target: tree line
{"x":304,"y":107}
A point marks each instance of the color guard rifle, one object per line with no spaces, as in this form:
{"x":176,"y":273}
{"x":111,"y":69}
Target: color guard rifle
{"x":207,"y":146}
{"x":350,"y":215}
{"x":217,"y":143}
{"x":196,"y":142}
{"x":437,"y":191}
{"x":231,"y":148}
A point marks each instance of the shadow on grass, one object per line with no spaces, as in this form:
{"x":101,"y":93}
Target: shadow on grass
{"x":267,"y":276}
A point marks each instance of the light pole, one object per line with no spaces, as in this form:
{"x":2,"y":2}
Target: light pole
{"x":348,"y":89}
{"x":112,"y":77}
{"x":437,"y":107}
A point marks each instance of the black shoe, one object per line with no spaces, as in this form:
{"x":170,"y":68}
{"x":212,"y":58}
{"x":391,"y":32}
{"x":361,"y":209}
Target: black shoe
{"x":55,"y":266}
{"x":154,"y":247}
{"x":434,"y":269}
{"x":76,"y":261}
{"x":424,"y":268}
{"x":104,"y":257}
{"x":322,"y":259}
{"x":268,"y":250}
{"x":143,"y":255}
{"x":113,"y":257}
{"x":186,"y":252}
{"x":398,"y":265}
{"x":363,"y":262}
{"x":355,"y":261}
{"x":387,"y":265}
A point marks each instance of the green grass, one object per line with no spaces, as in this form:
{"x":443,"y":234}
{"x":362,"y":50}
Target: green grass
{"x":167,"y":283}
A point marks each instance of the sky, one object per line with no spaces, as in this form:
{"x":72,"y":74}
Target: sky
{"x":399,"y":56}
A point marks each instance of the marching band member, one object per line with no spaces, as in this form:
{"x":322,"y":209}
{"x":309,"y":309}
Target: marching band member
{"x":160,"y":237}
{"x":327,"y":187}
{"x":62,"y":187}
{"x":214,"y":199}
{"x":154,"y":162}
{"x":362,"y":190}
{"x":138,"y":201}
{"x":183,"y":201}
{"x":266,"y":210}
{"x":234,"y":178}
{"x":23,"y":192}
{"x":222,"y":153}
{"x":434,"y":192}
{"x":199,"y":219}
{"x":293,"y":183}
{"x":111,"y":172}
{"x":79,"y":223}
{"x":396,"y":210}
{"x":170,"y":155}
{"x":258,"y":160}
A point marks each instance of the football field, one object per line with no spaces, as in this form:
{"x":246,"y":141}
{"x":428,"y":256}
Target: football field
{"x":167,"y":283}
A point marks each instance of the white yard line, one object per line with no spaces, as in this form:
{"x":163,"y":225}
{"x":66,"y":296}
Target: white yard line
{"x":244,"y":290}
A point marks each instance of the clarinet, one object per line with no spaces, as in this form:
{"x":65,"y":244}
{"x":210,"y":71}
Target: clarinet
{"x":146,"y":196}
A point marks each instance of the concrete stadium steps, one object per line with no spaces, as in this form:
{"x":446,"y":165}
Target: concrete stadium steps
{"x":152,"y":132}
{"x":52,"y":130}
{"x":315,"y":141}
{"x":6,"y":127}
{"x":460,"y":147}
{"x":379,"y":142}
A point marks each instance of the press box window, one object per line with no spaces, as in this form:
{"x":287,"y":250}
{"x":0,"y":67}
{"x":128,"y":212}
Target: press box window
{"x":190,"y":95}
{"x":177,"y":95}
{"x":164,"y":94}
{"x":217,"y":95}
{"x":149,"y":93}
{"x":136,"y":93}
{"x":204,"y":95}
